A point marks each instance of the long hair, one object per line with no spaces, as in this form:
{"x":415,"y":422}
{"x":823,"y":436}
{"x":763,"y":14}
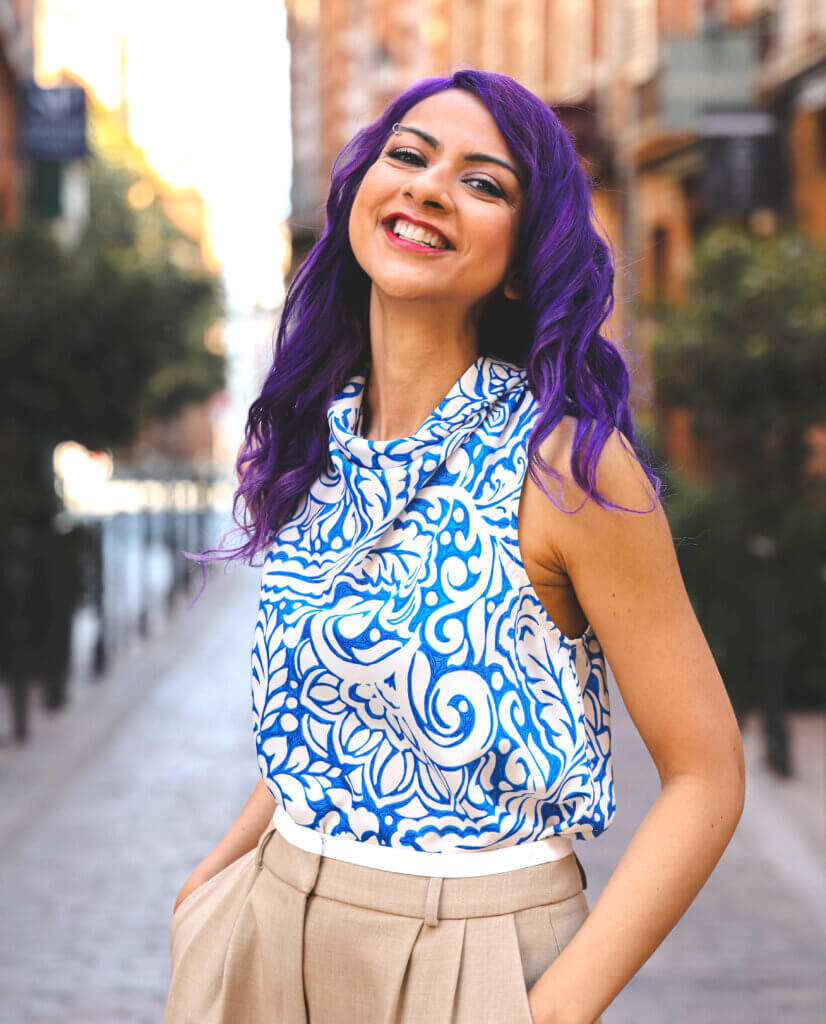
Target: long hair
{"x":552,"y":331}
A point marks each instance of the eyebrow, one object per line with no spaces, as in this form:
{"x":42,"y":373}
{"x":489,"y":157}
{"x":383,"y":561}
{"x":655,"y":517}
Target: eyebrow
{"x":466,"y":156}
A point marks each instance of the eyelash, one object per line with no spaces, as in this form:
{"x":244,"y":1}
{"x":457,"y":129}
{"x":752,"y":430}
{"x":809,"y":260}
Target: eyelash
{"x":498,"y":193}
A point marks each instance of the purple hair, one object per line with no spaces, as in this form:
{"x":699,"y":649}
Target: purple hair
{"x":552,"y":330}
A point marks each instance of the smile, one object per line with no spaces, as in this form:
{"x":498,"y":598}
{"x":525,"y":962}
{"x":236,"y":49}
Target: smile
{"x":406,"y":243}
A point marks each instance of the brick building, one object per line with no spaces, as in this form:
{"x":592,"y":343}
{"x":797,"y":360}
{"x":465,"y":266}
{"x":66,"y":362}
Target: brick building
{"x":16,"y":66}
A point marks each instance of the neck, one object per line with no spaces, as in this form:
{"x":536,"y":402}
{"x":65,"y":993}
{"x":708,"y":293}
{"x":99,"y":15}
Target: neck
{"x":417,"y":353}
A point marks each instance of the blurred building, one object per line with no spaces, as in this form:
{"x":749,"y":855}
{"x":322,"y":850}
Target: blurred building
{"x":725,"y":118}
{"x":182,"y":204}
{"x":694,"y":145}
{"x":792,"y":84}
{"x":695,"y":139}
{"x":16,"y":67}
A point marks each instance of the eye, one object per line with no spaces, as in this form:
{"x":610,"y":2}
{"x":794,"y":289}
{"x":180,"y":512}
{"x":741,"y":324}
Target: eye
{"x":492,"y":189}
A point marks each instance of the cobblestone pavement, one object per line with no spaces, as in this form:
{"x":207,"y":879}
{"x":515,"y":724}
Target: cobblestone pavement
{"x":751,"y":948}
{"x":104,"y":816}
{"x":90,"y":880}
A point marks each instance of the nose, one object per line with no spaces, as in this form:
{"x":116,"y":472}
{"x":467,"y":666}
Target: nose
{"x":427,"y":189}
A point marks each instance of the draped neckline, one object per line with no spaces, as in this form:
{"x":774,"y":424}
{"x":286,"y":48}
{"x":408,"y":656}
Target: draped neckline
{"x":485,"y":382}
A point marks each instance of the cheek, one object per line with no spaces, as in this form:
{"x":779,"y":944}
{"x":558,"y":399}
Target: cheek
{"x":363,"y":214}
{"x":357,"y":228}
{"x":496,"y":227}
{"x":492,"y":244}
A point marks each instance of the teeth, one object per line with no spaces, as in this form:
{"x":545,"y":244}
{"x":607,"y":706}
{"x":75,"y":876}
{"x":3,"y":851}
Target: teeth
{"x":405,"y":229}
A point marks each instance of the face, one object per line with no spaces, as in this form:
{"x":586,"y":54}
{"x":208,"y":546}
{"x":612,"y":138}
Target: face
{"x":475,"y":204}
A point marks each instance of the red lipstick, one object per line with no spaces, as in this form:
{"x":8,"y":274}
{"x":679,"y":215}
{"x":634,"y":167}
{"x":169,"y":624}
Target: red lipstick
{"x":406,"y":243}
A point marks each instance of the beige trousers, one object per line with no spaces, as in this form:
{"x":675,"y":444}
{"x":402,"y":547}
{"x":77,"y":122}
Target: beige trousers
{"x":284,"y":936}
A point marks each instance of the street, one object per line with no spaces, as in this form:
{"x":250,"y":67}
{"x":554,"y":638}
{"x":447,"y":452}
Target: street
{"x":105,"y":814}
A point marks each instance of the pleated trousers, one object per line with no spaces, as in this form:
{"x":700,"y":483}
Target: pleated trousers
{"x":285,"y":936}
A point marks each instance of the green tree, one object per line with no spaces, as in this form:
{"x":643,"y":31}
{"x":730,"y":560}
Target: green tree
{"x":96,"y":338}
{"x":746,"y":354}
{"x":92,"y":340}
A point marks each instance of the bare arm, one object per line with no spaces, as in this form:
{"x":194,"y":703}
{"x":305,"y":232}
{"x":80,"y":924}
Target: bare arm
{"x":624,"y":570}
{"x":241,"y":837}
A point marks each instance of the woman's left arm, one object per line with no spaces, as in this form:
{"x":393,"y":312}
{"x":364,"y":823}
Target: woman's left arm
{"x":625,"y":573}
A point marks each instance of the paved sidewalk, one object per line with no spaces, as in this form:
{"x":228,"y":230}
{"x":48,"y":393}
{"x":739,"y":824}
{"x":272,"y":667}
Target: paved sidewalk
{"x":126,"y":795}
{"x":751,"y":948}
{"x":106,"y":813}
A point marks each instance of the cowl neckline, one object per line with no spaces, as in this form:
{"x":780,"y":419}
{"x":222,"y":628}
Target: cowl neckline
{"x":484,"y":383}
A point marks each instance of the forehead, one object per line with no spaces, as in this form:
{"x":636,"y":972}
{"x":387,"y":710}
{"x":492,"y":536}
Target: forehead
{"x":457,"y":118}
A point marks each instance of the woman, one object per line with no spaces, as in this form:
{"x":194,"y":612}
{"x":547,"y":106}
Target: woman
{"x":429,"y":690}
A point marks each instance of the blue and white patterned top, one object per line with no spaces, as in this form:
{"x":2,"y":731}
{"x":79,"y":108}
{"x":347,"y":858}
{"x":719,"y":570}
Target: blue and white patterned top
{"x":408,"y":687}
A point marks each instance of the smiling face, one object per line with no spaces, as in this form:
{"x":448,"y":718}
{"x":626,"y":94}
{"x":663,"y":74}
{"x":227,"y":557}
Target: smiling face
{"x":474,"y":204}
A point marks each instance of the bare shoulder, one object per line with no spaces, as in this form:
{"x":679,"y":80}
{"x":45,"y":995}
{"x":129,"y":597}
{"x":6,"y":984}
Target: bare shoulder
{"x":619,"y":474}
{"x":619,"y":477}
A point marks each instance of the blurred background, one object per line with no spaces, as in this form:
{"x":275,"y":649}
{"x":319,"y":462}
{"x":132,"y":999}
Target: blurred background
{"x":163,"y":171}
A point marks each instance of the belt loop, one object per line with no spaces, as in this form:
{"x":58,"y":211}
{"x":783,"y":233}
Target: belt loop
{"x":262,"y":845}
{"x":431,"y":900}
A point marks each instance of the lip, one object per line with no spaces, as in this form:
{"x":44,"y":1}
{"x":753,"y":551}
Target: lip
{"x":421,"y":224}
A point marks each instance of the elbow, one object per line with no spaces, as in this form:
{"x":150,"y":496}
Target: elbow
{"x":731,"y":781}
{"x":722,"y":774}
{"x":732,"y":775}
{"x":731,"y":771}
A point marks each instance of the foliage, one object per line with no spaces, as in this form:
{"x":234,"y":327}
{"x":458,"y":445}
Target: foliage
{"x":97,"y":337}
{"x":746,"y":354}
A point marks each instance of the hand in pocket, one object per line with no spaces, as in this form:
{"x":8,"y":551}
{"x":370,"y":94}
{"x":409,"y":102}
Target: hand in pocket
{"x":191,"y":885}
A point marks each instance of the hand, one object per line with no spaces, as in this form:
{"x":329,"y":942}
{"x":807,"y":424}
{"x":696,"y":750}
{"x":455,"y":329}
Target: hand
{"x":182,"y":895}
{"x":195,"y":881}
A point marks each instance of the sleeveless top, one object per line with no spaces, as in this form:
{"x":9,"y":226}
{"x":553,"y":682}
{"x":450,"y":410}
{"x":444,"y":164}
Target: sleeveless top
{"x":411,"y":697}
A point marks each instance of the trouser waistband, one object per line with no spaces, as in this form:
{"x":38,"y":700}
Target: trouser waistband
{"x":428,"y":897}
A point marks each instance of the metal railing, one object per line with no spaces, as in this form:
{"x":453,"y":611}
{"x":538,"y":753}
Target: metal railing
{"x":126,"y":570}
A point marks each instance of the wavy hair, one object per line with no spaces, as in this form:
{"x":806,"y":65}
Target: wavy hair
{"x":553,"y":330}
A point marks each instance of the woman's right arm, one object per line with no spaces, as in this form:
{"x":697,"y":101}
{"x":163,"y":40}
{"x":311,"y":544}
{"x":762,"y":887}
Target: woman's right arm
{"x":241,"y":837}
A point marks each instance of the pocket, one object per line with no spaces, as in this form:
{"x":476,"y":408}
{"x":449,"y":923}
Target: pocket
{"x":538,"y":946}
{"x":198,"y":889}
{"x":566,"y":916}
